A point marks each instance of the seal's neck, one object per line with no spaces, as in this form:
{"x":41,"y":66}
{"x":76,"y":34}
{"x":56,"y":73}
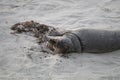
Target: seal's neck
{"x":75,"y":41}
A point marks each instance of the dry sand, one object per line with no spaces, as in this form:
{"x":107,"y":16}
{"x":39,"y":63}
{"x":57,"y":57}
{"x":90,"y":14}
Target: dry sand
{"x":20,"y":56}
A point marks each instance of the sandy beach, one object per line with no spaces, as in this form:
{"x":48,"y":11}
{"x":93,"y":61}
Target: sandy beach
{"x":20,"y":56}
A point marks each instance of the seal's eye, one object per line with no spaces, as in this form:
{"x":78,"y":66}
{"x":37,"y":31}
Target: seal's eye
{"x":52,"y":41}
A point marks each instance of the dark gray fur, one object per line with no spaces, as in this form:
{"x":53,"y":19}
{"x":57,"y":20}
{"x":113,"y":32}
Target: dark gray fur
{"x":90,"y":40}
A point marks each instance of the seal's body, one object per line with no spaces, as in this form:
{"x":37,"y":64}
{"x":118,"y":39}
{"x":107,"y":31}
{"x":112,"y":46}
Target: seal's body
{"x":86,"y":40}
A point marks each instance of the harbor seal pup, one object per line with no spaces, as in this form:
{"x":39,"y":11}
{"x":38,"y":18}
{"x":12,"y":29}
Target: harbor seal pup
{"x":81,"y":40}
{"x":85,"y":40}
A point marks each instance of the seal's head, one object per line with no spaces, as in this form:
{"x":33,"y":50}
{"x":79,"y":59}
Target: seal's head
{"x":59,"y":44}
